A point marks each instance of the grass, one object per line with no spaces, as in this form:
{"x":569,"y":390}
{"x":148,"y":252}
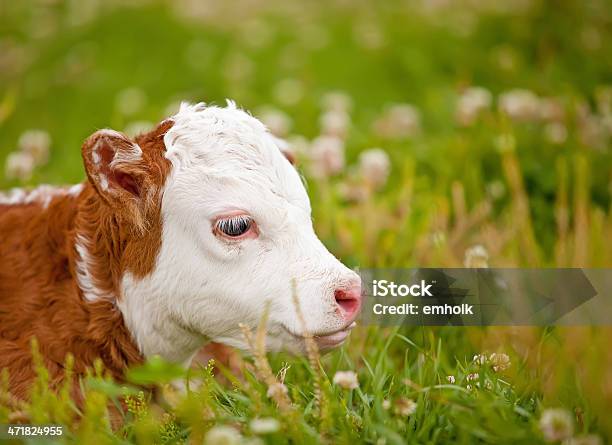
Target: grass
{"x":393,"y":366}
{"x":531,"y":200}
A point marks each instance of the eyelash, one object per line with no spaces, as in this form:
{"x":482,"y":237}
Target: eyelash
{"x":234,"y":226}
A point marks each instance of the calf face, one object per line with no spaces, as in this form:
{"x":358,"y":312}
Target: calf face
{"x":236,"y":236}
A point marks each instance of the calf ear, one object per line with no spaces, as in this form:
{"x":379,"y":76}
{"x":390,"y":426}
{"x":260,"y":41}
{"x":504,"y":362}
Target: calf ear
{"x":115,"y":167}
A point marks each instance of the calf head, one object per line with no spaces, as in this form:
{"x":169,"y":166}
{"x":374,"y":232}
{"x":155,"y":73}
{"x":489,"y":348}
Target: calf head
{"x":235,"y":236}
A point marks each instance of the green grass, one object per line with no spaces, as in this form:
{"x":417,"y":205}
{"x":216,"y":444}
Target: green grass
{"x":63,"y":71}
{"x":392,"y":365}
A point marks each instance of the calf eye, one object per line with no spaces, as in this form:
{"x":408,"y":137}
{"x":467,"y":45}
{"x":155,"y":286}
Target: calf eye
{"x":234,"y":226}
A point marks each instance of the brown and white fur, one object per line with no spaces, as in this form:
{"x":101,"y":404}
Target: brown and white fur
{"x":136,"y":261}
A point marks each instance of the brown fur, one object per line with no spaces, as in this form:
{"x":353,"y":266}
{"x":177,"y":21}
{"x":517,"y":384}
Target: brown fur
{"x":39,"y":294}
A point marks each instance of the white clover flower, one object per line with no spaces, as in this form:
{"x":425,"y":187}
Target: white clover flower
{"x":346,"y":379}
{"x":556,"y":424}
{"x":520,"y":105}
{"x":405,"y":407}
{"x":222,"y":435}
{"x":19,"y":165}
{"x":480,"y":359}
{"x":399,"y":121}
{"x":136,"y":128}
{"x":335,"y":123}
{"x":37,"y":144}
{"x":451,"y":379}
{"x":277,"y":121}
{"x":277,"y":389}
{"x":500,"y":361}
{"x":264,"y":425}
{"x":130,"y":101}
{"x":473,"y":376}
{"x":476,"y":257}
{"x":471,"y":103}
{"x":326,"y":156}
{"x":374,"y":166}
{"x":555,"y":133}
{"x":337,"y":101}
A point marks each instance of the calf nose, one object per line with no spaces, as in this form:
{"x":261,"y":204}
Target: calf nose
{"x":349,"y":301}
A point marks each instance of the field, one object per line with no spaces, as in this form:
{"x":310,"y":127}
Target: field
{"x":431,"y":133}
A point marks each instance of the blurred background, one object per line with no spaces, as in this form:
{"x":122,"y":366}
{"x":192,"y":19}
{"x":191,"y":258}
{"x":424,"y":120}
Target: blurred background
{"x":431,"y":132}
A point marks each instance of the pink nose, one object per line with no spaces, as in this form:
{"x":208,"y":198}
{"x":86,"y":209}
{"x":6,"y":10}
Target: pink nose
{"x":349,"y":301}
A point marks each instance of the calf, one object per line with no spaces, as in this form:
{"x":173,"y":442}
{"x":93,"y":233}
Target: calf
{"x":174,"y":239}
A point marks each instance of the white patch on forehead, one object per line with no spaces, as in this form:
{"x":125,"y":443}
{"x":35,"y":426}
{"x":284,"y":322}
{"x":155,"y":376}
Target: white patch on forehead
{"x":196,"y":126}
{"x":42,"y":195}
{"x":234,"y":154}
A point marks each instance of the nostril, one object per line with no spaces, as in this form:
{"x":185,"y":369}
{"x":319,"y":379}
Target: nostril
{"x":348,"y":300}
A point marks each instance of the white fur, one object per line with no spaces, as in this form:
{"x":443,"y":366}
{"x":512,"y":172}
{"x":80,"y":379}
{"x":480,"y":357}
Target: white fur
{"x":202,"y":287}
{"x":84,"y":277}
{"x":14,"y":196}
{"x":76,"y":189}
{"x":134,"y":154}
{"x":42,"y":195}
{"x":103,"y":182}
